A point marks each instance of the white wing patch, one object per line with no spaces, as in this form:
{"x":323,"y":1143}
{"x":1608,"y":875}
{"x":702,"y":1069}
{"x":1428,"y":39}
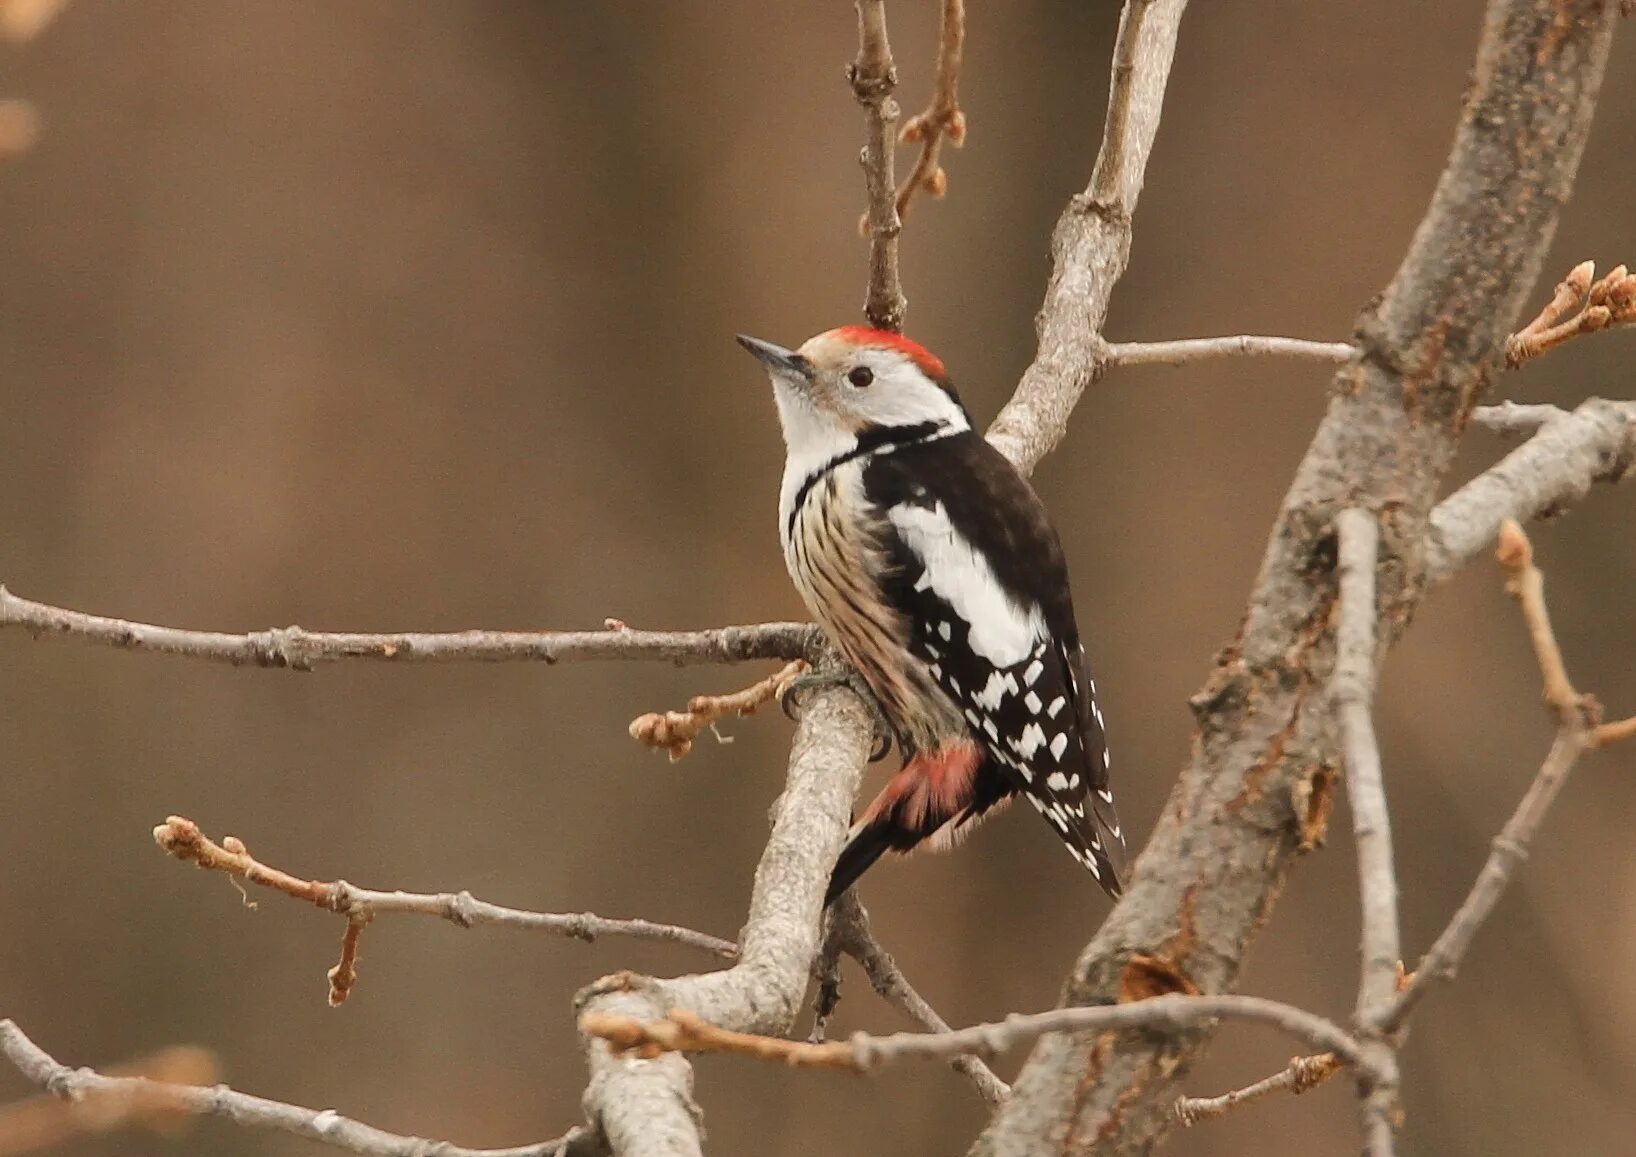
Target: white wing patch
{"x":1000,"y":631}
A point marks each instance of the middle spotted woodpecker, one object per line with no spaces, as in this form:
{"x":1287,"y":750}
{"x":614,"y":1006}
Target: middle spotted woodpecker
{"x":930,"y":562}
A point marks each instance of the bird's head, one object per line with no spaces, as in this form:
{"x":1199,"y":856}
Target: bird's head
{"x":855,"y":385}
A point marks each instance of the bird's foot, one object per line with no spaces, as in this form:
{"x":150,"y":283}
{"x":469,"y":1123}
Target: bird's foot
{"x":852,"y":681}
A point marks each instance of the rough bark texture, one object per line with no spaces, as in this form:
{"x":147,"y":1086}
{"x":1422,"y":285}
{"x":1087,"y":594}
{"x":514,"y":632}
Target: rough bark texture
{"x":1217,"y":860}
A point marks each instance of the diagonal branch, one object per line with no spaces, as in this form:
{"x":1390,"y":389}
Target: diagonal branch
{"x":301,"y":650}
{"x":1556,"y":467}
{"x":1091,"y":244}
{"x":1578,"y":731}
{"x":326,"y":1125}
{"x":648,"y":1108}
{"x":849,"y":927}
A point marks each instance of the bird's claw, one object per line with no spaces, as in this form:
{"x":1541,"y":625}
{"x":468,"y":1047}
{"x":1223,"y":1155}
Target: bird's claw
{"x":854,"y":682}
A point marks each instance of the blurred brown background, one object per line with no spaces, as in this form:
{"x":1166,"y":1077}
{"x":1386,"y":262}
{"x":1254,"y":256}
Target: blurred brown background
{"x":378,"y":316}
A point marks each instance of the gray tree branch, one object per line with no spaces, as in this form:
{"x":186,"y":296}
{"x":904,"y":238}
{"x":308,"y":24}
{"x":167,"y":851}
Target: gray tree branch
{"x":1091,"y":245}
{"x":299,"y":649}
{"x":645,"y":1107}
{"x":1217,"y":860}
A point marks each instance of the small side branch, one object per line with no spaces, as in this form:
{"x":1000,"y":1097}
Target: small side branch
{"x":850,"y":929}
{"x":301,"y":650}
{"x":673,"y":732}
{"x":183,"y":839}
{"x":682,"y":1031}
{"x":1581,"y":304}
{"x":1596,"y":443}
{"x":326,"y":1125}
{"x":1302,"y":1075}
{"x":942,"y":118}
{"x":1198,"y":349}
{"x":873,"y":78}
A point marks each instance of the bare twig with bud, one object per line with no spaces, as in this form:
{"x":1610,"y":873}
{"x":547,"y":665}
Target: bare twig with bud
{"x":1581,"y":304}
{"x":942,"y":120}
{"x":673,"y":732}
{"x":1301,"y":1075}
{"x":183,"y":839}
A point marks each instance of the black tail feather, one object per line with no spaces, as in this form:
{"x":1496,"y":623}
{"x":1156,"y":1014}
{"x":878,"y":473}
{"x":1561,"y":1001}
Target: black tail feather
{"x":868,"y":844}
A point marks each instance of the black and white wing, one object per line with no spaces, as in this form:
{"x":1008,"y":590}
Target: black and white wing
{"x":980,"y":572}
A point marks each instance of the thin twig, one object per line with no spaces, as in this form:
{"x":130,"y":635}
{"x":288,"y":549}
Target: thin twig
{"x":873,"y":78}
{"x":182,"y":838}
{"x":850,"y":926}
{"x":1301,"y":1075}
{"x":1197,"y":349}
{"x":1509,"y":850}
{"x":1579,"y":305}
{"x":942,"y":118}
{"x":324,"y":1125}
{"x":673,"y":732}
{"x":300,"y":649}
{"x":1577,"y":732}
{"x":1526,"y":583}
{"x":683,"y":1031}
{"x":1352,"y":691}
{"x":1516,"y":417}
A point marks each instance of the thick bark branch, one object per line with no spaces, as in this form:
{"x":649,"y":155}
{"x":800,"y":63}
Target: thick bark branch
{"x":1217,"y":860}
{"x":645,"y":1107}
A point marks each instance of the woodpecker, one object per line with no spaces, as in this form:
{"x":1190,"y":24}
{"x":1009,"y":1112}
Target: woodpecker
{"x":931,"y":564}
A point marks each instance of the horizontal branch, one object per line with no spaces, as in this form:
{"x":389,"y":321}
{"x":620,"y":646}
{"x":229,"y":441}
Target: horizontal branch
{"x":1197,"y":349}
{"x":683,"y":1031}
{"x":301,"y":650}
{"x":182,"y":838}
{"x":326,"y":1125}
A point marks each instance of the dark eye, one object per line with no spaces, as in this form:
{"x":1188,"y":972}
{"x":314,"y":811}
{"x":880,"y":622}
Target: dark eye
{"x":861,"y":376}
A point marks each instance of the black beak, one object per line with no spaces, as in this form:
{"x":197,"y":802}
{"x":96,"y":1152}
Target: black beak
{"x":776,"y":357}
